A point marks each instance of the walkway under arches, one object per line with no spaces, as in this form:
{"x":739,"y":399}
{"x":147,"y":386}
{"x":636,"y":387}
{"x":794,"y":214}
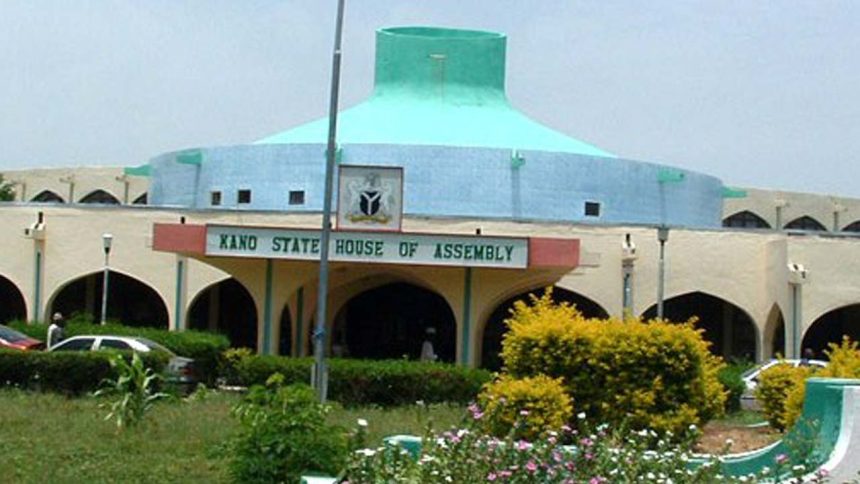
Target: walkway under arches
{"x":130,"y":300}
{"x":729,"y":329}
{"x":390,"y":321}
{"x":831,"y":328}
{"x":12,"y":305}
{"x":226,"y":307}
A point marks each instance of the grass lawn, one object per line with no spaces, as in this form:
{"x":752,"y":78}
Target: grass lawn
{"x":48,"y":438}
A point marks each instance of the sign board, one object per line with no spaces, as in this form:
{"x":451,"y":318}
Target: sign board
{"x":370,"y":198}
{"x":378,"y":247}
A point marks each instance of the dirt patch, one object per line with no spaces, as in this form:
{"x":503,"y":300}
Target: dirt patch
{"x":715,"y":435}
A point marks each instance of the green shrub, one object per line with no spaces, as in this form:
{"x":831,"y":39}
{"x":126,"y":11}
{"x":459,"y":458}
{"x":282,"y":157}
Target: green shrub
{"x":530,"y":407}
{"x":71,"y":373}
{"x":730,"y":378}
{"x":283,"y":435}
{"x":134,"y":390}
{"x":654,"y":375}
{"x":205,"y":348}
{"x":363,"y":382}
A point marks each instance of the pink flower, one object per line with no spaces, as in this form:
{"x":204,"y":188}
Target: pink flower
{"x":781,"y":458}
{"x":531,"y":466}
{"x":491,"y":476}
{"x":522,"y":445}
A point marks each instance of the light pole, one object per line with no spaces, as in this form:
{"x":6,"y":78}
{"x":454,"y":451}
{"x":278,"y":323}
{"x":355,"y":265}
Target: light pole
{"x":107,"y":239}
{"x":628,"y":259}
{"x":662,"y":236}
{"x":319,"y":373}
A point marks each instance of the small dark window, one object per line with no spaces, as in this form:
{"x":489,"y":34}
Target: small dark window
{"x":216,"y":198}
{"x":852,"y":227}
{"x":244,"y":196}
{"x":745,"y":220}
{"x":297,"y":197}
{"x":592,"y":209}
{"x":805,"y":223}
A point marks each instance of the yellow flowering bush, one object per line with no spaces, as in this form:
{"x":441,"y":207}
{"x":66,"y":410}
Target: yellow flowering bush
{"x":844,"y":363}
{"x":654,"y":374}
{"x":531,"y":406}
{"x":775,"y":384}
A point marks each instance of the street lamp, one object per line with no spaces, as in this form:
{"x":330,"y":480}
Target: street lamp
{"x":107,"y":239}
{"x":662,"y":236}
{"x":319,"y":374}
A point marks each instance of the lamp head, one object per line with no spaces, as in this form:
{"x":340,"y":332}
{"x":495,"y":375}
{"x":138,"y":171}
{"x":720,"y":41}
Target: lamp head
{"x":107,"y":239}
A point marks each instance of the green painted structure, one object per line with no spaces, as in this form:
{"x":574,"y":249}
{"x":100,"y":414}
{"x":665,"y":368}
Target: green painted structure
{"x":428,"y":78}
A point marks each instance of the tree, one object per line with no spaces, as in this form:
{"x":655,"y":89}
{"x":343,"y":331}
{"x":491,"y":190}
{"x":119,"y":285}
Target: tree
{"x":7,"y":193}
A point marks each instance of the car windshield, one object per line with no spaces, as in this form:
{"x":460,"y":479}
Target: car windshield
{"x":11,"y":335}
{"x":153,"y":346}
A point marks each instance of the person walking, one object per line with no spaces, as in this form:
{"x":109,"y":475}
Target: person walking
{"x":56,"y":331}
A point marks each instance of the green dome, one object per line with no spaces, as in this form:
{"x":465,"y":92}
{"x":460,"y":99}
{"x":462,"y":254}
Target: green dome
{"x":438,"y":87}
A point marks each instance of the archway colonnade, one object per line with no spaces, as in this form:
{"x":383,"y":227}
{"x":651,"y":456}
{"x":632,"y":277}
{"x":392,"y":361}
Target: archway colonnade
{"x":385,"y":313}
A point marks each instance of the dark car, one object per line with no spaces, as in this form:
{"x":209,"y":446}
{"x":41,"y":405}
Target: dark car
{"x":179,"y":368}
{"x":16,"y":340}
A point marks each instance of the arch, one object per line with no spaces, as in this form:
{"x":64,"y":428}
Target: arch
{"x":831,"y":327}
{"x":390,"y":321}
{"x":805,"y":223}
{"x":143,"y":199}
{"x":100,"y":196}
{"x":12,"y":304}
{"x":47,"y":196}
{"x":495,"y":328}
{"x":130,"y":300}
{"x":852,"y":227}
{"x":729,"y":329}
{"x":285,"y":332}
{"x":774,"y":333}
{"x":746,"y":220}
{"x":226,"y":307}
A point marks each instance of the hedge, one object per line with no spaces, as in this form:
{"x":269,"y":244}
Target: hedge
{"x":67,"y":372}
{"x":205,"y":348}
{"x":363,"y":382}
{"x":730,"y":377}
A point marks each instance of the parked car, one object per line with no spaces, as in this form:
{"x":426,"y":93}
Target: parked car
{"x":16,"y":340}
{"x":179,"y":368}
{"x":751,"y":378}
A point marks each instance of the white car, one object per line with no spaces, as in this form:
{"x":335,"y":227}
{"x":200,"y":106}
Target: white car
{"x":751,"y":377}
{"x":179,"y":368}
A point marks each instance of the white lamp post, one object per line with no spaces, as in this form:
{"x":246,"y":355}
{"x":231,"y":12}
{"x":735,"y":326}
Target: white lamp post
{"x":662,"y":236}
{"x":107,"y":239}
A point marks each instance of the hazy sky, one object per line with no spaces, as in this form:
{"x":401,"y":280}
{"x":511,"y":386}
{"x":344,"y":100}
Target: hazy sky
{"x":759,"y":93}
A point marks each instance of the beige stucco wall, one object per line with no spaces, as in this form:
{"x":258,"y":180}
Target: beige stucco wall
{"x":747,"y":268}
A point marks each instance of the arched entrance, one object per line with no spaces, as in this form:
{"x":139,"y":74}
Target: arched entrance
{"x":831,"y":327}
{"x":130,"y":301}
{"x":495,"y":329}
{"x":12,"y":305}
{"x":774,"y":333}
{"x":728,"y":328}
{"x":390,"y":321}
{"x":285,"y":335}
{"x":228,"y":308}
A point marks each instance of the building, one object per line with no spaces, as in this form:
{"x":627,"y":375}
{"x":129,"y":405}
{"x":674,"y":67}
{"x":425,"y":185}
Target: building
{"x":452,"y":205}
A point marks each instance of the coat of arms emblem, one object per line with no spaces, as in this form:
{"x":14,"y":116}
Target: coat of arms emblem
{"x":371,"y":200}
